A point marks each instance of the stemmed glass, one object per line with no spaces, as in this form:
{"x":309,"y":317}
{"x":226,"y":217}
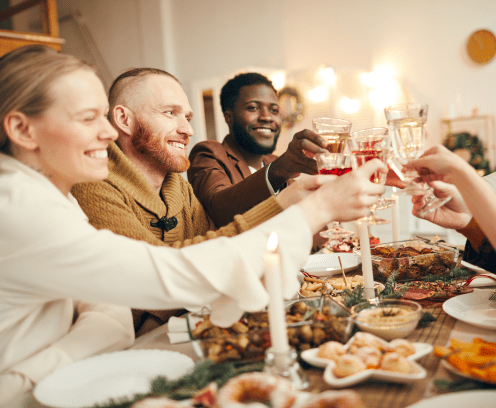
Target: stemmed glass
{"x":365,"y":145}
{"x":407,"y":127}
{"x":336,"y":164}
{"x":335,"y":131}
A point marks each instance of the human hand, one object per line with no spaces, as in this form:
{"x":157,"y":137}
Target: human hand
{"x":300,"y":188}
{"x":344,"y":198}
{"x":298,"y":158}
{"x":454,"y":214}
{"x":438,"y":163}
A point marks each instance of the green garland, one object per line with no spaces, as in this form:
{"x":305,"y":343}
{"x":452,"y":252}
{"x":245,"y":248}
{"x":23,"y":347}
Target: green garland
{"x":205,"y":372}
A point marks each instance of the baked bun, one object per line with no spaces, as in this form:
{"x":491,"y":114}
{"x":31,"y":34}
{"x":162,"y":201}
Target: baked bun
{"x":396,"y":362}
{"x":371,"y":356}
{"x":364,"y":339}
{"x":256,"y":387}
{"x":349,"y":364}
{"x":401,"y":346}
{"x":331,"y":350}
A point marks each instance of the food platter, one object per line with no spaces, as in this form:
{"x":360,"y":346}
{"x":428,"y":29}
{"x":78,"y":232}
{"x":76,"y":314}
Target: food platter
{"x":421,"y":350}
{"x":328,"y":264}
{"x":473,"y":308}
{"x":456,"y":371}
{"x":462,"y":399}
{"x":112,"y":375}
{"x":310,"y":356}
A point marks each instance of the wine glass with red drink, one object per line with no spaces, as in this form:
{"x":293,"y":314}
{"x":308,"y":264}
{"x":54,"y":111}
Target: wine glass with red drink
{"x":365,"y":145}
{"x":336,"y":164}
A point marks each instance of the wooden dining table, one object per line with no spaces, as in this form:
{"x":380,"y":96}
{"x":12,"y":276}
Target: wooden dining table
{"x":375,"y":394}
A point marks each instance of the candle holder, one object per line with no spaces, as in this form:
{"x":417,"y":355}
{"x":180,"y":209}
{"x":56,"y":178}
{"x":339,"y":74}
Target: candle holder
{"x":285,"y":364}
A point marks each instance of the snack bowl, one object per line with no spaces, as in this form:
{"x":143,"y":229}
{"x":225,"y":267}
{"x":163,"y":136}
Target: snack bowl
{"x":411,"y":259}
{"x":248,"y":339}
{"x":387,"y":318}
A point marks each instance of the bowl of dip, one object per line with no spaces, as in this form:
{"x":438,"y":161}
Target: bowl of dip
{"x":387,"y":318}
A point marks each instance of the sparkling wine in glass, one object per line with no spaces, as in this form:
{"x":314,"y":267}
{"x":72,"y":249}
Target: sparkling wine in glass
{"x":365,"y":145}
{"x":335,"y":131}
{"x":336,"y":164}
{"x":407,"y":128}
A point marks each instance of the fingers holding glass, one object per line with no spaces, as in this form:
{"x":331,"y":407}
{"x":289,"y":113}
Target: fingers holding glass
{"x":407,"y":128}
{"x":365,"y":145}
{"x":336,"y":164}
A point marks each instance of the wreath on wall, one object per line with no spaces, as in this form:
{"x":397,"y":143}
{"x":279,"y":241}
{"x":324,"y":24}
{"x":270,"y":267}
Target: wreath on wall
{"x":291,"y":106}
{"x":469,"y":147}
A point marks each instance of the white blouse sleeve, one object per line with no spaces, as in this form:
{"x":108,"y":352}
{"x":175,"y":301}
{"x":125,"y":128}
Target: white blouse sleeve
{"x":51,"y":252}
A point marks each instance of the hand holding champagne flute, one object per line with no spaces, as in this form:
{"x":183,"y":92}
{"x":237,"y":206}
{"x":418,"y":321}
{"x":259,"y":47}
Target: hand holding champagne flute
{"x":335,"y":164}
{"x":407,"y":127}
{"x":365,"y":145}
{"x":335,"y":131}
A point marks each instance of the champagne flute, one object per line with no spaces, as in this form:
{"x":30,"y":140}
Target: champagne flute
{"x":407,"y":127}
{"x":336,"y":164}
{"x":365,"y":145}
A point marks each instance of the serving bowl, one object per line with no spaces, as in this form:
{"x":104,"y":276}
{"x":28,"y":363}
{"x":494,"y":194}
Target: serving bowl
{"x":248,"y":339}
{"x":411,"y":259}
{"x":387,"y":318}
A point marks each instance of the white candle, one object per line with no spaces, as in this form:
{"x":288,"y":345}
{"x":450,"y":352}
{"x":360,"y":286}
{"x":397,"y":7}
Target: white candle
{"x":277,"y":314}
{"x":395,"y":221}
{"x":368,"y":276}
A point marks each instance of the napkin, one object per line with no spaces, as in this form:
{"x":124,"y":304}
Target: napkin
{"x":178,"y":328}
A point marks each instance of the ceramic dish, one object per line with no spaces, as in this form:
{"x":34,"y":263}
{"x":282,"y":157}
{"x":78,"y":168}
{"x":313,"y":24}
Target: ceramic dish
{"x":456,"y":371}
{"x":387,"y":318}
{"x":473,"y":308}
{"x":328,"y":264}
{"x":310,"y":356}
{"x":115,"y":375}
{"x":463,"y":399}
{"x":421,"y":349}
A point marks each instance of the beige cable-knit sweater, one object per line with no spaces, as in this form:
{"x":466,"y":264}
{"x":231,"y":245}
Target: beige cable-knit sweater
{"x":126,"y":203}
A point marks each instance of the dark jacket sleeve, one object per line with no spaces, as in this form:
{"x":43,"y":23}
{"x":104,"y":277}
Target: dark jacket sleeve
{"x":219,"y":186}
{"x":484,"y":257}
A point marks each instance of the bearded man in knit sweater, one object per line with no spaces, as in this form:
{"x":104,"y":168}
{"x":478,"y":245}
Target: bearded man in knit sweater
{"x":144,"y":196}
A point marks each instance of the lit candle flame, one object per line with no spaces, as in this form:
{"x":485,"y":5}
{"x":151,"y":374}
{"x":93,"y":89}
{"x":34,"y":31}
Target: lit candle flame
{"x":272,"y":242}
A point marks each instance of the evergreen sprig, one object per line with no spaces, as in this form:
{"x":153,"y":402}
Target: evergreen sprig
{"x":205,"y":372}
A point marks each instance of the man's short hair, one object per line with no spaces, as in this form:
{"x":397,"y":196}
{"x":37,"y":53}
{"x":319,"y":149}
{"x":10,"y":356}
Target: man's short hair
{"x":230,"y":91}
{"x":128,"y":79}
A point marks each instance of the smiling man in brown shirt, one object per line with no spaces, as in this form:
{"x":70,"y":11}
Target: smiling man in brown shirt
{"x":232,"y":177}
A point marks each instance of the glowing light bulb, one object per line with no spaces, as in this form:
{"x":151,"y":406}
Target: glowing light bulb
{"x":318,"y":94}
{"x":349,"y":105}
{"x":278,"y":79}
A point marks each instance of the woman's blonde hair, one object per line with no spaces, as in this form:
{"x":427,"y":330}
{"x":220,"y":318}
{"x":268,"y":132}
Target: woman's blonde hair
{"x":26,"y":75}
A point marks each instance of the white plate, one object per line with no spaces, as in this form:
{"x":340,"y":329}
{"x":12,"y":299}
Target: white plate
{"x":462,"y":399}
{"x":456,"y":371}
{"x":310,"y":356}
{"x":328,"y":264}
{"x":120,"y":374}
{"x":473,"y":308}
{"x":479,"y":282}
{"x":473,"y":267}
{"x":421,"y":349}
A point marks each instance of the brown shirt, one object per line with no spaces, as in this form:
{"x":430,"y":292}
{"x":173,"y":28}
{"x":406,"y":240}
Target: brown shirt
{"x":126,"y":204}
{"x":223,"y":182}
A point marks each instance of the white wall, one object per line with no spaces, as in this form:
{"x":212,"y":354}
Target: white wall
{"x":422,"y":40}
{"x":200,"y":40}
